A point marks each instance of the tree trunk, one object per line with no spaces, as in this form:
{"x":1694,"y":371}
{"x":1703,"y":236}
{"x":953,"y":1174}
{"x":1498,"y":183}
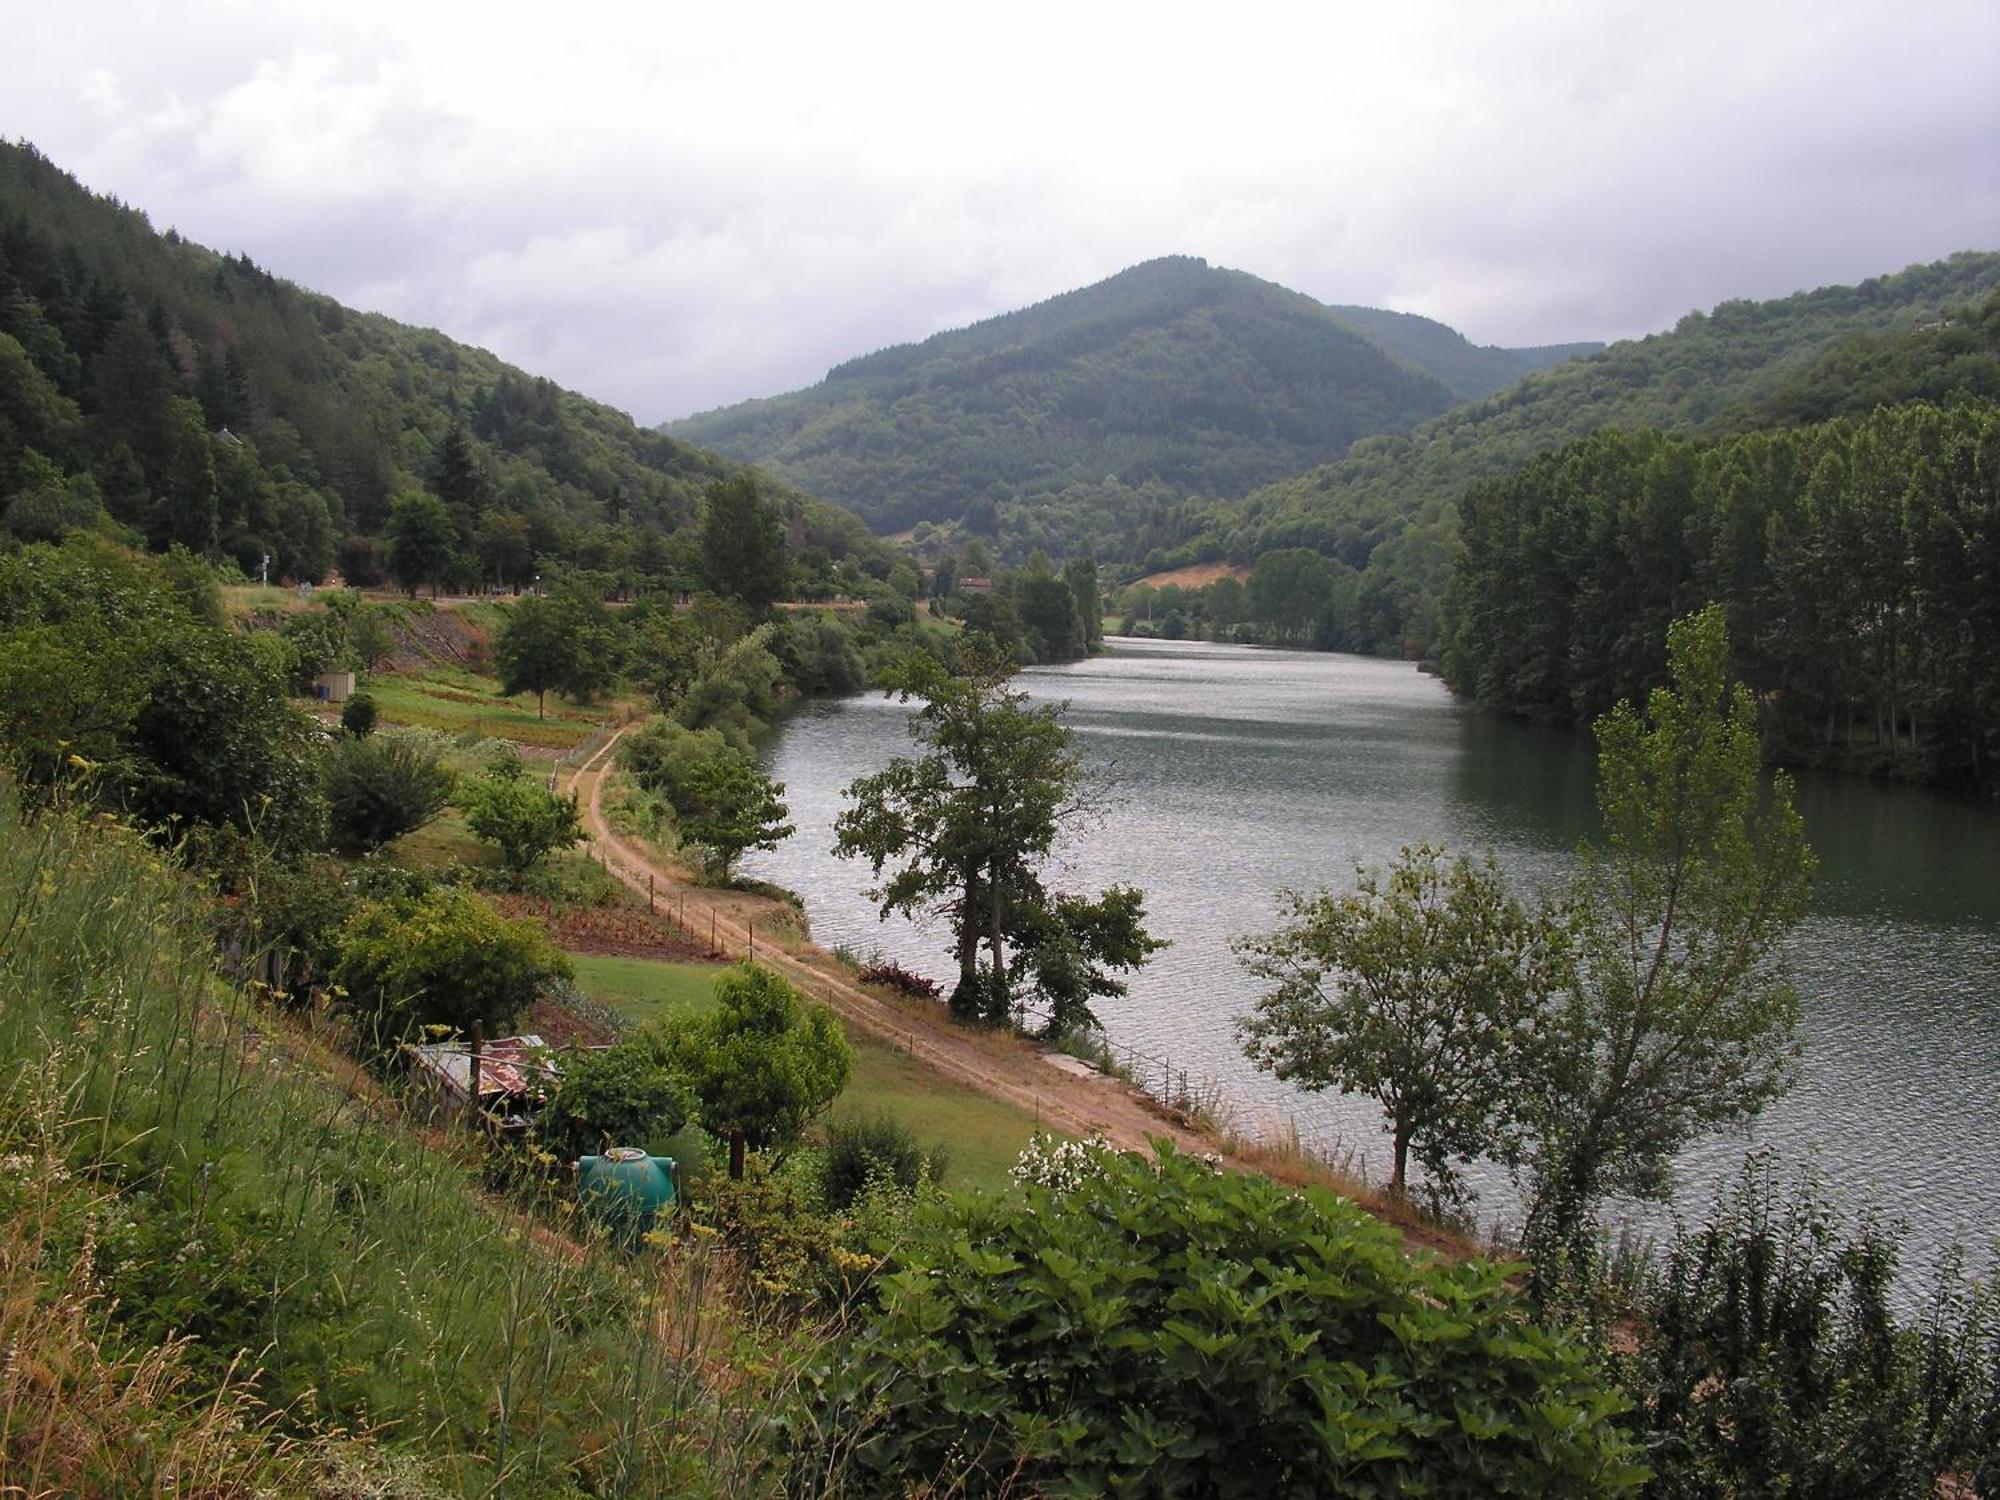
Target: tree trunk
{"x":735,"y":1156}
{"x":1399,"y":1178}
{"x":541,"y":701}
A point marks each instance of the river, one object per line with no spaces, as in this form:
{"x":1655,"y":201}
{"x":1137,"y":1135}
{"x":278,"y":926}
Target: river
{"x":1236,"y":772}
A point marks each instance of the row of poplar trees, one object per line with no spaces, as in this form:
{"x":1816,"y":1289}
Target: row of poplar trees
{"x":1858,"y":561}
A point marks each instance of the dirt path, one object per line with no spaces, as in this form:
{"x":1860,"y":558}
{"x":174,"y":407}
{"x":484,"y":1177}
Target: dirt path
{"x":1007,"y":1068}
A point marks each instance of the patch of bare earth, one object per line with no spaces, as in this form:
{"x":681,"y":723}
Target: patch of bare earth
{"x":1193,"y":576}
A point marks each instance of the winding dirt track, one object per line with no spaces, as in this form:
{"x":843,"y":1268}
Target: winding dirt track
{"x":1008,"y":1069}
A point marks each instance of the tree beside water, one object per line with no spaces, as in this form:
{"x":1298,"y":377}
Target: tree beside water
{"x":969,"y":826}
{"x":1643,"y":1006}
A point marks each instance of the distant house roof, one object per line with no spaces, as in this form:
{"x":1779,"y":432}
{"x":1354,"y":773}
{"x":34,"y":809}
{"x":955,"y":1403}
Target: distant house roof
{"x":510,"y":1067}
{"x":975,"y":585}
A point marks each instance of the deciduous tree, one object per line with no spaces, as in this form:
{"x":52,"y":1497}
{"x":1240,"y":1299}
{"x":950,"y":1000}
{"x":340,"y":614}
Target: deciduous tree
{"x":1679,"y":1017}
{"x":1418,"y":990}
{"x":764,"y":1064}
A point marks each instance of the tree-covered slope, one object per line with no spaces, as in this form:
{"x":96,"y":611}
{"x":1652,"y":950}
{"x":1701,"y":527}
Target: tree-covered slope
{"x":1387,"y":507}
{"x":1470,"y":370}
{"x":1205,"y":380}
{"x":194,"y":397}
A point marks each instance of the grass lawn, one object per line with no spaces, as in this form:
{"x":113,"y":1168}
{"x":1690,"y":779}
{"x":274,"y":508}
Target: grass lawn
{"x":983,"y":1135}
{"x":645,"y":989}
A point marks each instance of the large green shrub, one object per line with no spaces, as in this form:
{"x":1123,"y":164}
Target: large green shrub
{"x":875,"y":1148}
{"x":1774,"y":1362}
{"x":618,"y":1096}
{"x":443,"y":958}
{"x":380,"y":788}
{"x":1158,"y":1328}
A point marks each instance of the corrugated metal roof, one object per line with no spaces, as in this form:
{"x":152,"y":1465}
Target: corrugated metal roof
{"x":508,"y":1066}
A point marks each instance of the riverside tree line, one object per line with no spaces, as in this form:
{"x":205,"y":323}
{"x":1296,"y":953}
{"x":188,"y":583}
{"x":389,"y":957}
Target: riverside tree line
{"x":1858,"y":561}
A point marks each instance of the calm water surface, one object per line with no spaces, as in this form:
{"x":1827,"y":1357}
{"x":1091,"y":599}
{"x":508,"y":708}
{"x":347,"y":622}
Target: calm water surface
{"x":1239,"y":772}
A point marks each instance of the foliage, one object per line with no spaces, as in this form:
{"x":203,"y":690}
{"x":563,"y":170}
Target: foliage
{"x":358,"y":716}
{"x":1854,"y":560}
{"x":1386,"y":508}
{"x":177,"y":1159}
{"x":380,"y":788}
{"x":1773,"y":1359}
{"x":721,"y":801}
{"x":526,"y":820}
{"x":619,"y":1095}
{"x":1066,"y":948}
{"x":1210,"y":381}
{"x":443,"y":958}
{"x":874,"y":1147}
{"x":1678,"y":1015}
{"x":743,"y":545}
{"x":177,"y":718}
{"x":185,"y":396}
{"x":736,"y":691}
{"x":1418,"y":990}
{"x":970,"y":822}
{"x":565,"y":641}
{"x":732,"y":807}
{"x":763,"y":1064}
{"x":422,"y":540}
{"x":1162,"y":1328}
{"x":893,"y":976}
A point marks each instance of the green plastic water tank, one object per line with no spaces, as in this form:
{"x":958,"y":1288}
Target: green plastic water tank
{"x":625,"y":1190}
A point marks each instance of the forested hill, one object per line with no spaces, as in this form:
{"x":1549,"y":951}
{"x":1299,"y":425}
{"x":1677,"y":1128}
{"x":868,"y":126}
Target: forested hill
{"x":1470,"y":370}
{"x":159,"y":388}
{"x":1174,"y":375}
{"x":1387,"y":508}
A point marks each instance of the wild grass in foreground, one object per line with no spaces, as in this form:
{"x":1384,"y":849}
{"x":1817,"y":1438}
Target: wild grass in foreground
{"x":224,"y":1258}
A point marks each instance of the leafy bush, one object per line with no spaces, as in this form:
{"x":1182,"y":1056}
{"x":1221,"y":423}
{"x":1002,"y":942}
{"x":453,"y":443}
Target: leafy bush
{"x":526,"y":820}
{"x":764,"y":1063}
{"x":619,"y":1096}
{"x":444,"y":958}
{"x":1161,"y":1328}
{"x":876,"y":1148}
{"x":358,"y":715}
{"x":1774,"y":1363}
{"x":380,"y":788}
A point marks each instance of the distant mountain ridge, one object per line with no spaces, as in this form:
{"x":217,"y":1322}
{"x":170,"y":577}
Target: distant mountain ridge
{"x":1470,"y":370}
{"x":1174,"y":373}
{"x":1387,"y":508}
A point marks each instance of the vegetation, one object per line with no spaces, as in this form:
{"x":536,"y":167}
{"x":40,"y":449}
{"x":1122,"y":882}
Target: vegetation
{"x":722,"y":804}
{"x":970,"y":823}
{"x":622,"y":1095}
{"x":380,"y":788}
{"x":1386,"y":510}
{"x":1855,"y":560}
{"x":1775,"y":1361}
{"x":1207,"y":381}
{"x":763,"y":1064}
{"x":222,"y":1262}
{"x":121,"y":667}
{"x":1678,"y":1015}
{"x":874,"y":1148}
{"x":443,"y":958}
{"x":1417,"y":991}
{"x":1156,"y":1327}
{"x":565,"y":642}
{"x":171,"y":395}
{"x":523,"y":819}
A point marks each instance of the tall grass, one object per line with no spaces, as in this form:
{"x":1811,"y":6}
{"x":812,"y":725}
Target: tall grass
{"x":285,"y":1243}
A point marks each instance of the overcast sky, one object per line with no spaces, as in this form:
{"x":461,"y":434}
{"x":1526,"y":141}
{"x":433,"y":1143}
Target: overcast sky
{"x":672,"y":207}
